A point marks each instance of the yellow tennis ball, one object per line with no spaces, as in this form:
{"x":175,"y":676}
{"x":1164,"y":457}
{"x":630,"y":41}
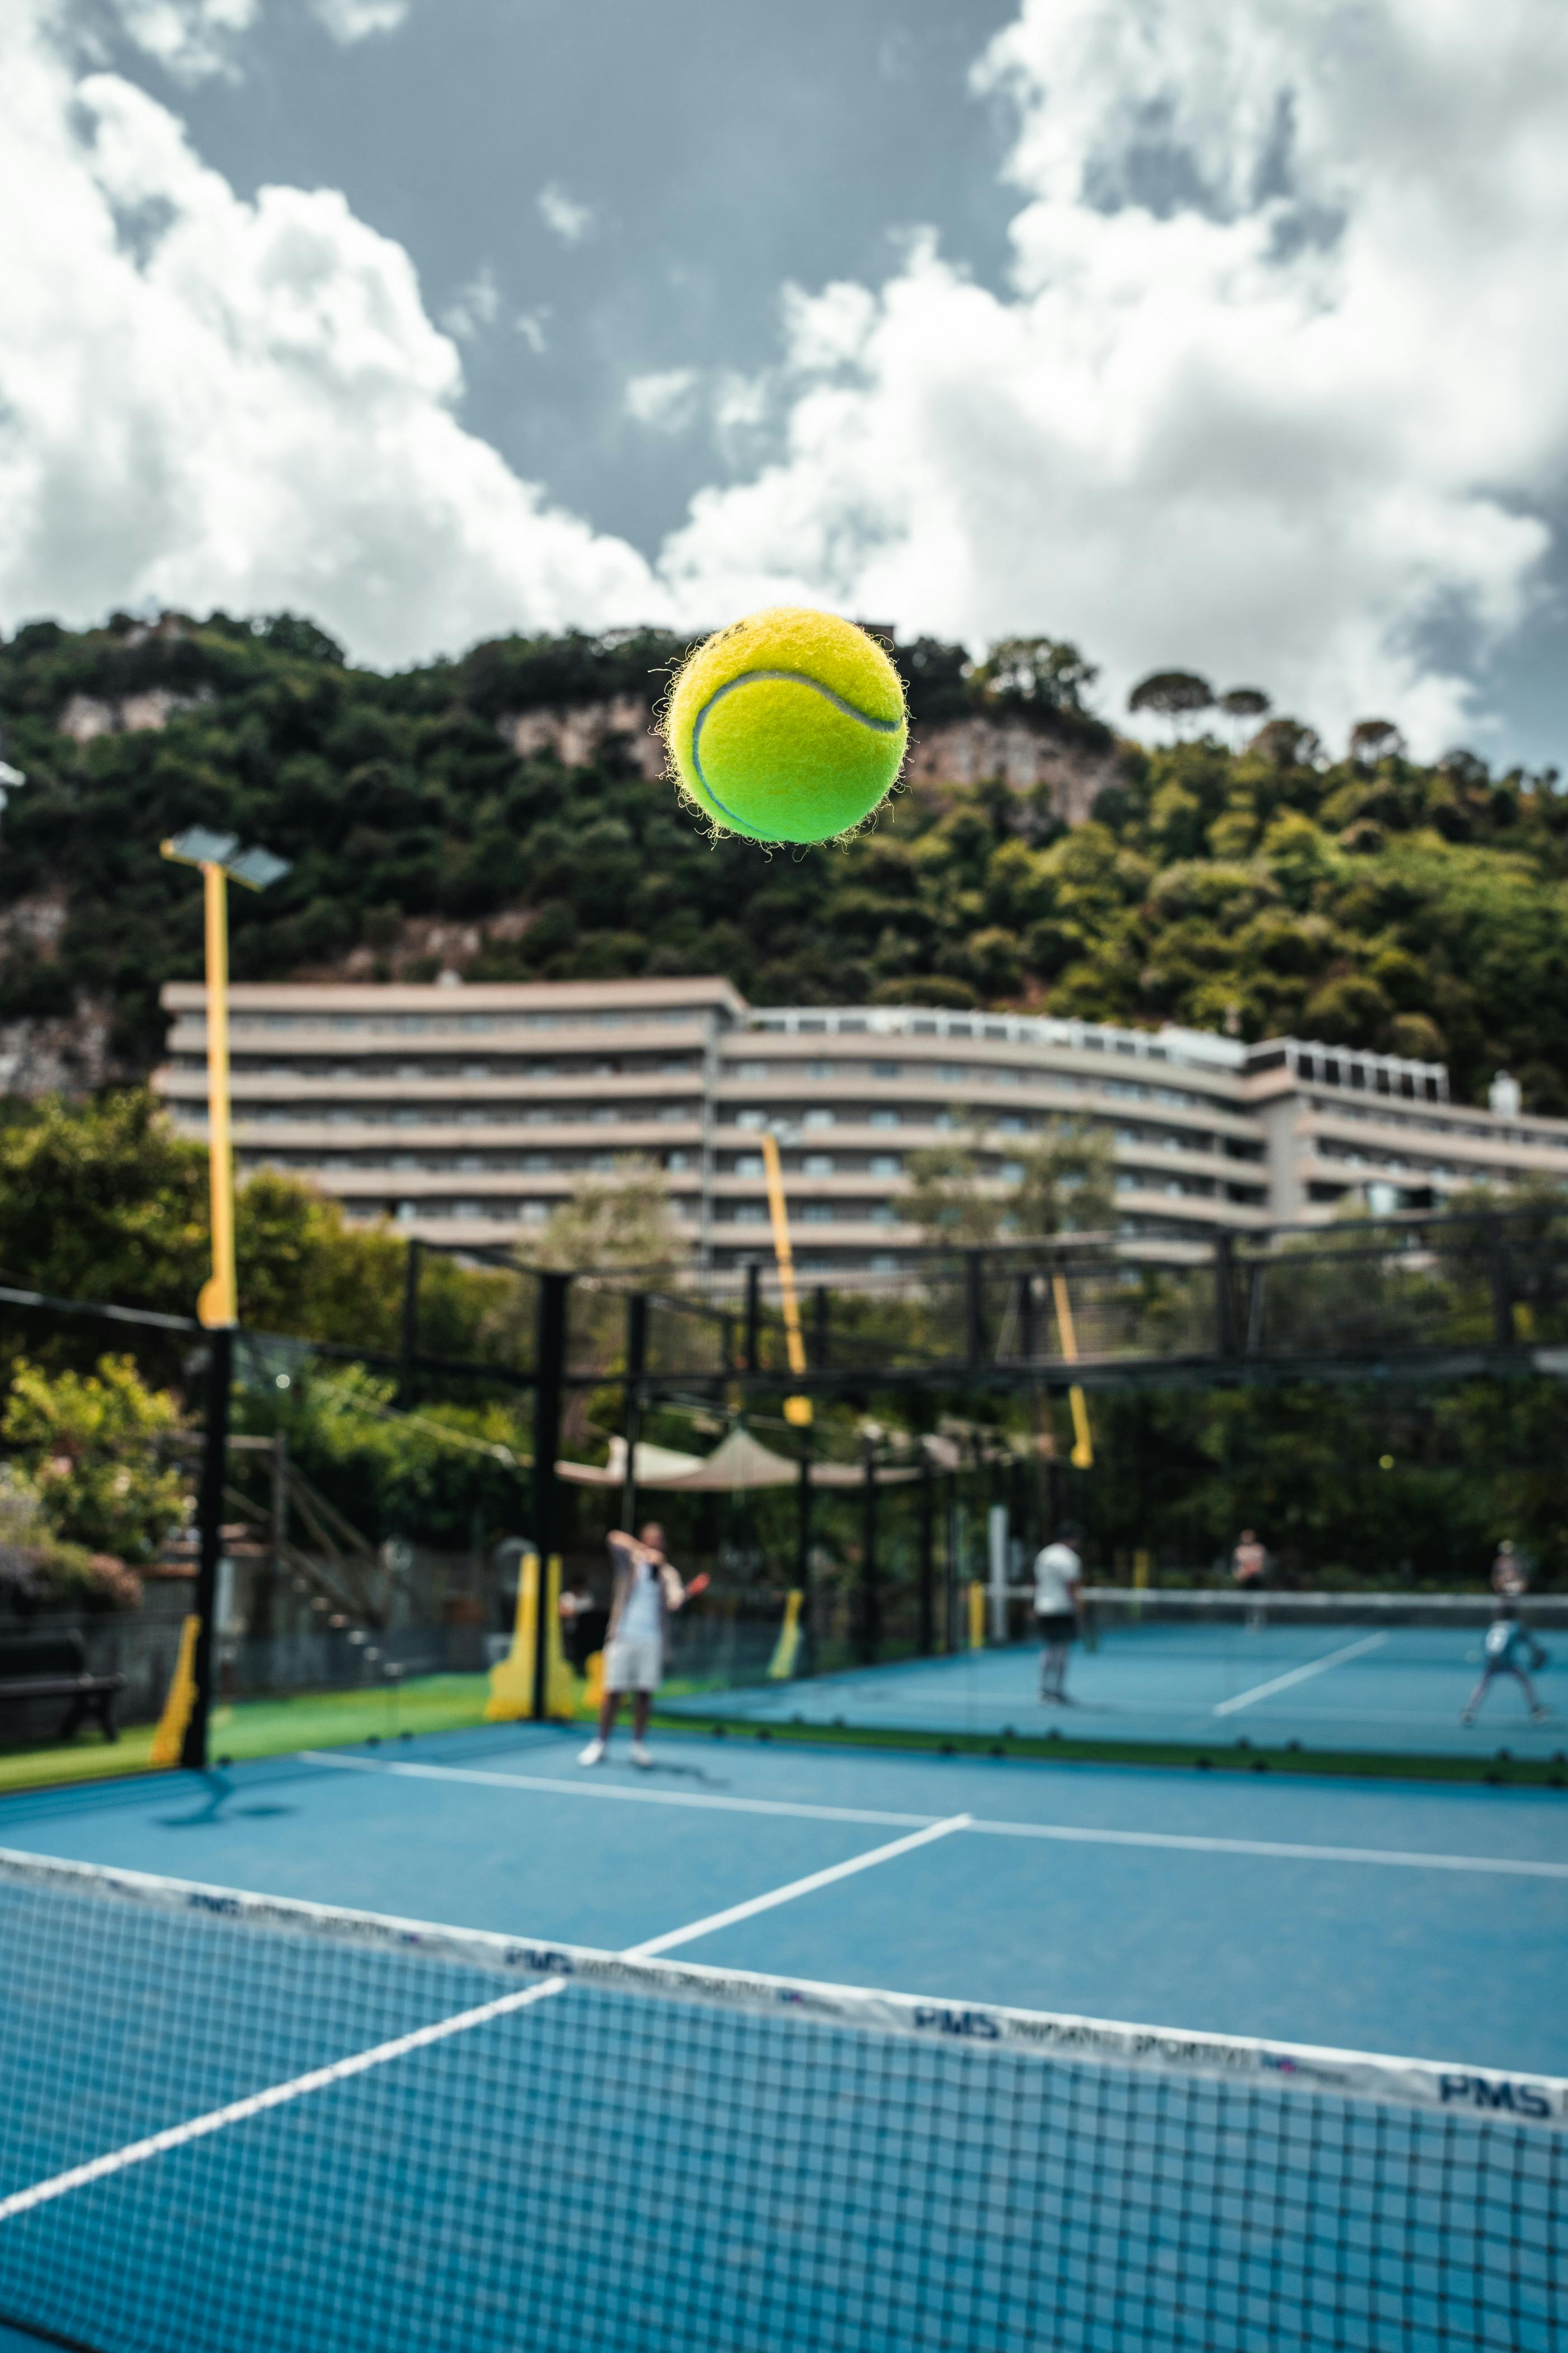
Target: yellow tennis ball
{"x":789,"y":726}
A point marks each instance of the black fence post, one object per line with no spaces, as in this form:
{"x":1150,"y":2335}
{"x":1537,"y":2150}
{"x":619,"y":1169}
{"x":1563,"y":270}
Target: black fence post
{"x":209,"y":1513}
{"x":871,"y":1610}
{"x":1504,"y":1334}
{"x":1224,"y":1305}
{"x":1026,"y":1319}
{"x":819,"y":1335}
{"x":753,"y":1315}
{"x":636,"y":1366}
{"x":974,"y":1305}
{"x":413,"y":1265}
{"x":928,"y":1593}
{"x":802,"y":1560}
{"x":550,"y":1374}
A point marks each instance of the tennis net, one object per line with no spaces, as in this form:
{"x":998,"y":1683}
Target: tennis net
{"x":236,"y":2124}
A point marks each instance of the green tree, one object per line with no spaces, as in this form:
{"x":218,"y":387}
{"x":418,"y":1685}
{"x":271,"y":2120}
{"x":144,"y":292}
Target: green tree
{"x":620,"y":1223}
{"x":1036,"y":674}
{"x":1059,"y":1183}
{"x":87,"y":1448}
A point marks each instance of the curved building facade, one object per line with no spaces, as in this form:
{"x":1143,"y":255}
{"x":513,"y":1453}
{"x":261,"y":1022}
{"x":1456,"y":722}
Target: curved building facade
{"x":461,"y":1111}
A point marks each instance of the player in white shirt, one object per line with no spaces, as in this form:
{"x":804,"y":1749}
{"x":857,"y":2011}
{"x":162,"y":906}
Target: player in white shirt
{"x":1059,"y":1573}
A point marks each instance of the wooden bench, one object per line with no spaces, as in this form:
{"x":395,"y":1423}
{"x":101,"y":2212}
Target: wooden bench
{"x":36,"y":1667}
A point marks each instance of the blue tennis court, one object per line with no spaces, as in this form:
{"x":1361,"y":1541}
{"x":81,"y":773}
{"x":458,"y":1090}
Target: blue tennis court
{"x":1397,"y":1690}
{"x":927,"y":2199}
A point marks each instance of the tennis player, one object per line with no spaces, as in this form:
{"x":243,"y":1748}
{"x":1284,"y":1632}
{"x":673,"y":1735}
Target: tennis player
{"x":1509,"y":1649}
{"x":1059,"y":1574}
{"x":646,"y":1590}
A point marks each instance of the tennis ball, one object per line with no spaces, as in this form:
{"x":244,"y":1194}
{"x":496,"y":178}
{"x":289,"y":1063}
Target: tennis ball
{"x":789,"y":726}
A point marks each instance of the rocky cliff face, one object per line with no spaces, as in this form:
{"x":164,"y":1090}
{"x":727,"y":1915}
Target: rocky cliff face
{"x":953,"y":752}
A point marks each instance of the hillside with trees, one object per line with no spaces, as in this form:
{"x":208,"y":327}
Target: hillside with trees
{"x":1240,"y":877}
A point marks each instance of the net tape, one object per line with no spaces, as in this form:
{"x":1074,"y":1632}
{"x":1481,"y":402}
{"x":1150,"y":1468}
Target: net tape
{"x":1433,"y":2085}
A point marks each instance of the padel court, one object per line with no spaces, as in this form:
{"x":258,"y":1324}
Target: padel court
{"x":243,"y":2126}
{"x":1352,"y":1685}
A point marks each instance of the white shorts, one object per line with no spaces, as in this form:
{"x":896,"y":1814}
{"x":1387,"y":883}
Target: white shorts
{"x":633,"y":1662}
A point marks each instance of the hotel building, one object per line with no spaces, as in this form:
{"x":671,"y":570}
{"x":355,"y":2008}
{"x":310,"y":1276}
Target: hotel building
{"x":465,"y":1112}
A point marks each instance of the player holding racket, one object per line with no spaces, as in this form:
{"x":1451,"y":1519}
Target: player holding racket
{"x":646,"y":1590}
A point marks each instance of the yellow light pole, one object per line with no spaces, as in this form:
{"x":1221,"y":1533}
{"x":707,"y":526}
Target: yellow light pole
{"x":798,"y":1409}
{"x":219,"y":856}
{"x":1083,"y":1443}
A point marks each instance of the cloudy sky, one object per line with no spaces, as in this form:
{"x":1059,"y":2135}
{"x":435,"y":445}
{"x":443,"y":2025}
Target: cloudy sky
{"x":1227,"y":334}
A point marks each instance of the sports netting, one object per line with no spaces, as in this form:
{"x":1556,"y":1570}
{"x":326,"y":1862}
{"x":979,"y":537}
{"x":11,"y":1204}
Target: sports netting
{"x":235,"y":2124}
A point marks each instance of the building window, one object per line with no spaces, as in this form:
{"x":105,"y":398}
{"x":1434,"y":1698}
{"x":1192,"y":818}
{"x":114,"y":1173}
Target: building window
{"x":884,"y":1263}
{"x":748,"y":1213}
{"x":750,"y":1119}
{"x":884,"y":1119}
{"x":754,"y":1069}
{"x":534,"y":1213}
{"x":817,"y":1117}
{"x":885,"y":1069}
{"x":817,"y":1164}
{"x":886,"y":1164}
{"x":819,"y":1213}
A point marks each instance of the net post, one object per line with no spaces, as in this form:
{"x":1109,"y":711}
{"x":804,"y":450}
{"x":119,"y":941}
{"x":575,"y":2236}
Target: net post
{"x":819,"y":1327}
{"x":636,"y":1365}
{"x":209,"y":1513}
{"x":550,"y":1374}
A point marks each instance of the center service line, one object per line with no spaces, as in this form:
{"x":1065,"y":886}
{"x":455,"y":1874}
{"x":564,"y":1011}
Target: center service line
{"x":381,"y":2054}
{"x":1299,"y":1674}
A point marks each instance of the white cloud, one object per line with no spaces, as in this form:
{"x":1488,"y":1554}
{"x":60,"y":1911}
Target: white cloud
{"x":355,"y":20}
{"x":475,"y":306}
{"x":665,"y":400}
{"x":1280,"y":379}
{"x":530,"y":325}
{"x":189,"y":39}
{"x":208,"y":401}
{"x":570,"y":220}
{"x":1276,"y":386}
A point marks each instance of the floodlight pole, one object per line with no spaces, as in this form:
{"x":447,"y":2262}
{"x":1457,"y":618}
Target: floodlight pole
{"x":218,"y":1305}
{"x":796,"y":1410}
{"x":220,"y":1299}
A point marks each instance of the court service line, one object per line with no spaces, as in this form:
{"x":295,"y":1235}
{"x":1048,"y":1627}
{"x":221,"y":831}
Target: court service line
{"x":806,"y":1886}
{"x":620,"y":1794}
{"x":360,"y":2062}
{"x":1285,"y":1850}
{"x":1071,"y":1833}
{"x":1300,"y":1674}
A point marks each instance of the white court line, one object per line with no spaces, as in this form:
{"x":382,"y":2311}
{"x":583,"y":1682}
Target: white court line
{"x":836,"y":1870}
{"x":1194,"y":1842}
{"x":617,"y":1792}
{"x":339,"y":2070}
{"x":277,"y":2095}
{"x":1299,"y":1674}
{"x":1286,"y":1850}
